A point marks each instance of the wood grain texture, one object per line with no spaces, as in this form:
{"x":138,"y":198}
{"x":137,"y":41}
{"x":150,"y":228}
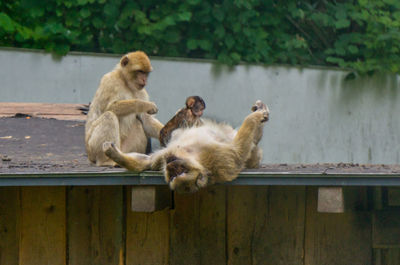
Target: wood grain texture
{"x":386,"y":232}
{"x":212,"y":225}
{"x":43,"y":228}
{"x":279,"y":237}
{"x":60,"y":111}
{"x":386,"y":256}
{"x":9,"y":229}
{"x":246,"y":222}
{"x":147,"y":236}
{"x":95,"y":225}
{"x":185,"y":232}
{"x":265,"y":225}
{"x":336,"y":238}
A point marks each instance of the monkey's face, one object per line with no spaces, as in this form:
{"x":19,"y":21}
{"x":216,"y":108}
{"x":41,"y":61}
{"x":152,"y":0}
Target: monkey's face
{"x":136,"y":68}
{"x":182,"y":177}
{"x":140,"y":79}
{"x":197,"y":110}
{"x":196,"y":105}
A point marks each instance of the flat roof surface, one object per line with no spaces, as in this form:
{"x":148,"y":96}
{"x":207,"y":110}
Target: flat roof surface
{"x":49,"y":151}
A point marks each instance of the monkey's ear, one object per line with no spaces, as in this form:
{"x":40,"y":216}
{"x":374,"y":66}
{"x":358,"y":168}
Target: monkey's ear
{"x":201,"y":181}
{"x":124,"y":61}
{"x":190,"y":102}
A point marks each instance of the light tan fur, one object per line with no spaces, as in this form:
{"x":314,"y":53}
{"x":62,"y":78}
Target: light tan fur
{"x":200,"y":156}
{"x":120,"y":111}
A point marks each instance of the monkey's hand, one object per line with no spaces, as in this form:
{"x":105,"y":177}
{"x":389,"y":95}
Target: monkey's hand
{"x":259,"y":106}
{"x":151,"y":108}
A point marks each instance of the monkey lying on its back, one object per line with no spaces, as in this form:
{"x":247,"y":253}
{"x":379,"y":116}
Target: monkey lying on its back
{"x":199,"y":156}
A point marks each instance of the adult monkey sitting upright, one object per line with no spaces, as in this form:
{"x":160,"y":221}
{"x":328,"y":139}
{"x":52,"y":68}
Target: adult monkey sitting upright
{"x":120,"y":111}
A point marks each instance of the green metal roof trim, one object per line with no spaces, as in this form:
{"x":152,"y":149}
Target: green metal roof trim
{"x":156,"y":178}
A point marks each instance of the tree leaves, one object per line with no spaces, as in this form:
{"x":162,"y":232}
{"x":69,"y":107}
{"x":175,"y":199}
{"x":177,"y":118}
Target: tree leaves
{"x":361,"y":35}
{"x":6,"y":23}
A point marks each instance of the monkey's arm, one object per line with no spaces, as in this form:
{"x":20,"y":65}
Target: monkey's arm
{"x":151,"y":125}
{"x":128,"y":106}
{"x":176,"y":122}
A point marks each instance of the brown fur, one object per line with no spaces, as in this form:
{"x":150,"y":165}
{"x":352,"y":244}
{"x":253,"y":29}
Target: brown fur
{"x":185,"y":117}
{"x":120,"y":111}
{"x":204,"y":155}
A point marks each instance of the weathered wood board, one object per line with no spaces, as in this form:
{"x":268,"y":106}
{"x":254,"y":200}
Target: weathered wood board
{"x":270,"y":225}
{"x":95,"y":225}
{"x":147,"y":236}
{"x":9,"y":225}
{"x":43,"y":110}
{"x":42,"y":226}
{"x":336,"y":238}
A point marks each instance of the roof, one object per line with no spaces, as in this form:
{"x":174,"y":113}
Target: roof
{"x":40,"y":150}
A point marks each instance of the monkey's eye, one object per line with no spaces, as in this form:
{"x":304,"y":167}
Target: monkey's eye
{"x":142,"y":72}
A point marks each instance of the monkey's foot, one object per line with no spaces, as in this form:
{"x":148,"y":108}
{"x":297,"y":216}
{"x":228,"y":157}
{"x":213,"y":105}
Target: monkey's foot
{"x":111,"y":150}
{"x":107,"y":163}
{"x":261,"y":107}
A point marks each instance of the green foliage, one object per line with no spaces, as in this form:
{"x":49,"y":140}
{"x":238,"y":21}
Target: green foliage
{"x":362,"y":35}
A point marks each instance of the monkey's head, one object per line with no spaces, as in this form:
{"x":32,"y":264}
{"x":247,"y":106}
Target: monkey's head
{"x":196,"y":105}
{"x":183,"y":175}
{"x":136,"y":67}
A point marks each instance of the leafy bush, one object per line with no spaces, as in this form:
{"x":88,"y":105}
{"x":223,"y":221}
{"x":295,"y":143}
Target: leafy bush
{"x":361,"y":35}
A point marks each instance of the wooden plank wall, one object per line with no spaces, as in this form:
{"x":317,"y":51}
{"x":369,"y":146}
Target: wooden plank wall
{"x":220,"y":225}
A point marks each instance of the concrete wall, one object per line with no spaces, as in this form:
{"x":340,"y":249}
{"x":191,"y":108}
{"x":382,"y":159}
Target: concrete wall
{"x":316,"y":116}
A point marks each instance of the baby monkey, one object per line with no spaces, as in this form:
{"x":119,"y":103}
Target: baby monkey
{"x":185,"y":117}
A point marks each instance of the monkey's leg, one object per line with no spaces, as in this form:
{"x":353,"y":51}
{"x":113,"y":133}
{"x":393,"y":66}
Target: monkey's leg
{"x":134,"y":161}
{"x":256,"y":152}
{"x":245,"y":137}
{"x":151,"y":125}
{"x":260,"y":106}
{"x":130,"y":161}
{"x":104,"y":129}
{"x":255,"y":158}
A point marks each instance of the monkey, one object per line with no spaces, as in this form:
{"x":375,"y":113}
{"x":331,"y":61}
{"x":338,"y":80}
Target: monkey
{"x":120,"y":111}
{"x":185,"y":117}
{"x":200,"y":156}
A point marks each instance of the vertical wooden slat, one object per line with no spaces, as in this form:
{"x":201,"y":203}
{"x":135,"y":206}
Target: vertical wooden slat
{"x":393,"y":194}
{"x":377,"y":257}
{"x":42,"y":239}
{"x":185,"y":245}
{"x":95,"y":225}
{"x":212,"y":225}
{"x":246,"y":217}
{"x":377,"y":198}
{"x":336,"y":238}
{"x":9,"y":240}
{"x":386,"y":229}
{"x":265,"y":225}
{"x":386,"y":256}
{"x":392,"y":256}
{"x":147,"y":236}
{"x":279,"y":236}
